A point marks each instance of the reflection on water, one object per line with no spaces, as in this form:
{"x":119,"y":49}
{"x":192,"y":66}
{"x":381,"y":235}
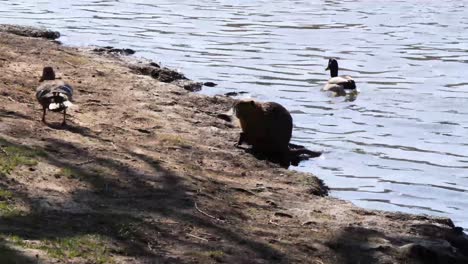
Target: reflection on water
{"x":401,"y":145}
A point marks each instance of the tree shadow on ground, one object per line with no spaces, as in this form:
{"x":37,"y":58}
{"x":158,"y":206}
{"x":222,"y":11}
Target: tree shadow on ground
{"x":133,"y":207}
{"x":364,"y":245}
{"x":13,"y":114}
{"x":9,"y":255}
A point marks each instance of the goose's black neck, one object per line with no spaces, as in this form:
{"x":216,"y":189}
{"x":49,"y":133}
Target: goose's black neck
{"x":48,"y":74}
{"x":333,"y":67}
{"x":334,"y":72}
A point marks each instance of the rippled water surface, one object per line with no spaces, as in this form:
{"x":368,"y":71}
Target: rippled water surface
{"x":401,"y":146}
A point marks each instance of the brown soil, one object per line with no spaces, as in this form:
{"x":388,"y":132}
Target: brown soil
{"x":151,"y":171}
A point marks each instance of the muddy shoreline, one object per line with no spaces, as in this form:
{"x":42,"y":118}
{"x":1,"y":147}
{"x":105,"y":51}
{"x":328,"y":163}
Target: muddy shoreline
{"x":146,"y":172}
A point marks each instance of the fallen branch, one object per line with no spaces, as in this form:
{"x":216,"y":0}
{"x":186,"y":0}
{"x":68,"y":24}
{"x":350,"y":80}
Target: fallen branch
{"x":69,"y":63}
{"x":113,"y":145}
{"x":197,"y":237}
{"x":206,"y":214}
{"x":84,"y":162}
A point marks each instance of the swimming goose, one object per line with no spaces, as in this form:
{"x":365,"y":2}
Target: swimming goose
{"x":54,"y":95}
{"x":338,"y":84}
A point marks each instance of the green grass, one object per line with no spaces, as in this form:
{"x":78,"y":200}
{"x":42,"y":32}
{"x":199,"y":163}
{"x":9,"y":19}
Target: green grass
{"x":215,"y":254}
{"x":95,"y":176}
{"x":5,"y":194}
{"x":13,"y":156}
{"x":205,"y":256}
{"x":7,"y":209}
{"x":68,"y":173}
{"x":90,"y":248}
{"x":174,"y":140}
{"x":16,"y":240}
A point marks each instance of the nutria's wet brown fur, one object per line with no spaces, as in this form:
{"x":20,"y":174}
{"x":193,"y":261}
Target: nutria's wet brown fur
{"x":267,"y":127}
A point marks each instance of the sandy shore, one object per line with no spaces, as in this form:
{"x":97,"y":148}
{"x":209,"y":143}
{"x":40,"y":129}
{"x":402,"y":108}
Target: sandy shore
{"x":146,"y":172}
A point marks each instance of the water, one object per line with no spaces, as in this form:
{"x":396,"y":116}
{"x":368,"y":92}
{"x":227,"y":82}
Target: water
{"x":401,"y":146}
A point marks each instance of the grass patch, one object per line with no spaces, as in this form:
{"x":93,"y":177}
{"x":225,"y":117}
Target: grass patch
{"x":17,"y":241}
{"x":5,"y":194}
{"x":215,"y":254}
{"x":68,"y":173}
{"x":205,"y":256}
{"x":95,"y":176}
{"x":13,"y":156}
{"x":174,"y":140}
{"x":314,"y":185}
{"x":90,"y":248}
{"x":7,"y":209}
{"x":76,"y":60}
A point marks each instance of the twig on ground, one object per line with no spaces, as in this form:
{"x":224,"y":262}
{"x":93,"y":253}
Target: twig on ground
{"x":69,"y":63}
{"x":197,"y":237}
{"x":84,"y":162}
{"x":206,"y":214}
{"x":113,"y":145}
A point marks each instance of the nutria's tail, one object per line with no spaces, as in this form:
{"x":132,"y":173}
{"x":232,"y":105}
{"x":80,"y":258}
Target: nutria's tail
{"x":296,"y":151}
{"x":304,"y":151}
{"x":300,"y":153}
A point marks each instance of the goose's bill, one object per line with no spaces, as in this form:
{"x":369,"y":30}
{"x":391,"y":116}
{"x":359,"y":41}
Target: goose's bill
{"x":328,"y":68}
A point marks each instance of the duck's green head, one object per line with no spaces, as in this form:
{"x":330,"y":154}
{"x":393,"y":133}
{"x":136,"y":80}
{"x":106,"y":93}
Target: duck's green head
{"x":332,"y":67}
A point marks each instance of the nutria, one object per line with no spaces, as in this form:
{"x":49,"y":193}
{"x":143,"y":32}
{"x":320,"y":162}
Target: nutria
{"x":267,"y":127}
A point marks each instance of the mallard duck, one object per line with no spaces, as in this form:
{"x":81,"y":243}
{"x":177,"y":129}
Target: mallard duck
{"x":54,"y":95}
{"x":338,"y":84}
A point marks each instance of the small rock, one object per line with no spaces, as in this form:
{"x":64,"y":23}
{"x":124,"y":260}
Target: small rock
{"x":458,"y":230}
{"x":281,"y":214}
{"x":145,"y":131}
{"x":154,"y":64}
{"x":112,"y":50}
{"x":210,"y":84}
{"x":224,"y":117}
{"x":259,"y":189}
{"x":28,"y":31}
{"x":230,"y":94}
{"x":167,"y":75}
{"x":307,"y":223}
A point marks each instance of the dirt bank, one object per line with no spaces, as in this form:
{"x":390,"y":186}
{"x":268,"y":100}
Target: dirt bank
{"x":146,"y":172}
